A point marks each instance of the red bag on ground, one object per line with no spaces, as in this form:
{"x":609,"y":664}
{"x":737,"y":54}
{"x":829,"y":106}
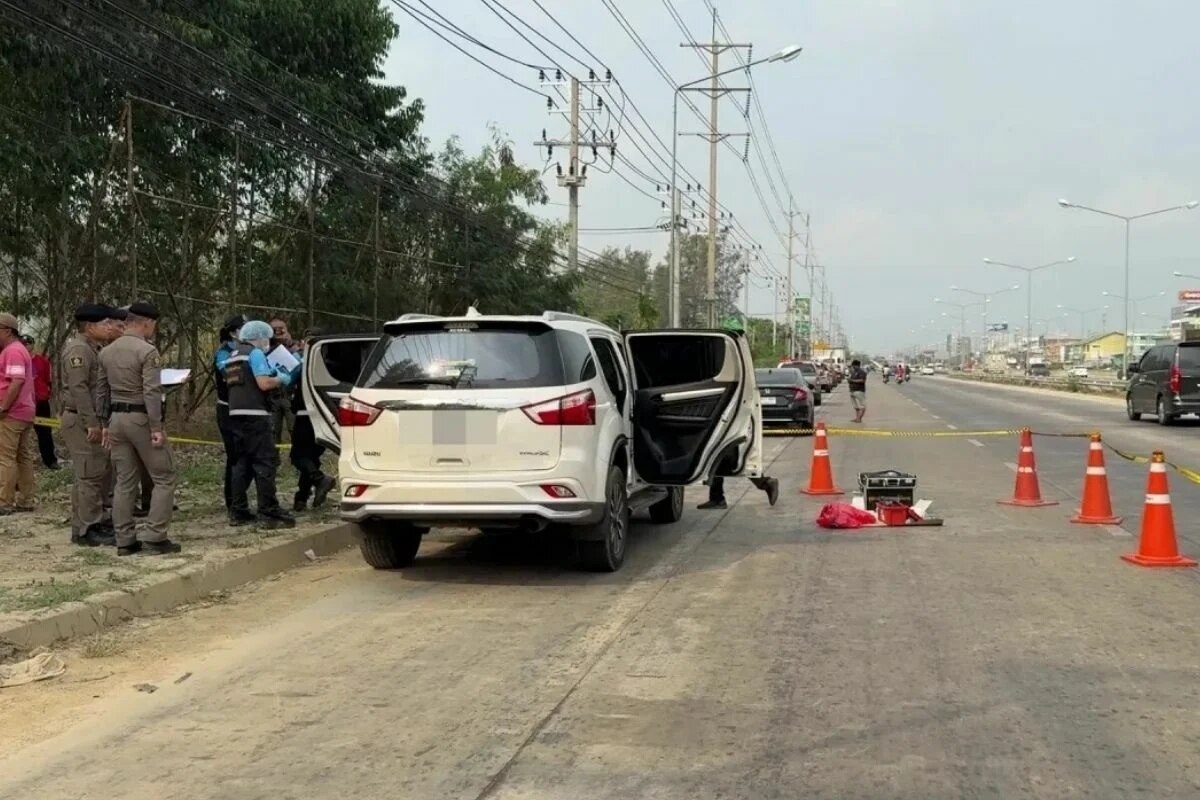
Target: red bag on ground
{"x":844,"y":515}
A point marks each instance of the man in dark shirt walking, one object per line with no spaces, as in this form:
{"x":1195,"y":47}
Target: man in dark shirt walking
{"x":857,"y":382}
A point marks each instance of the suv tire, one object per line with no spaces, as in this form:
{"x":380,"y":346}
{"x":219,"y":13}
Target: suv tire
{"x":389,"y":546}
{"x":606,"y":552}
{"x":1163,"y":417}
{"x":1133,"y":415}
{"x":669,"y":509}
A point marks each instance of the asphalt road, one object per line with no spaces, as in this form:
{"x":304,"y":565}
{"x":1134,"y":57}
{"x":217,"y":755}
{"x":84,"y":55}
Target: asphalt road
{"x":739,"y":654}
{"x":969,"y":406}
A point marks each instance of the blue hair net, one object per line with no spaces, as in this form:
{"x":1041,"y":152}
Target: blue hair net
{"x":254,"y":330}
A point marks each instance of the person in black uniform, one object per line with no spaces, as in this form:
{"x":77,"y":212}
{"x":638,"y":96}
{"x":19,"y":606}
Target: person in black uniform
{"x":251,"y":378}
{"x":229,"y":343}
{"x":305,"y":453}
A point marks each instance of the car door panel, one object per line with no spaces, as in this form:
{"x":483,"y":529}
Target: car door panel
{"x":331,"y":367}
{"x":694,"y":397}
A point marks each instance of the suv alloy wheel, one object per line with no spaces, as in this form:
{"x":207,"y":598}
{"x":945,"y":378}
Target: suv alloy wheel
{"x":607,"y":553}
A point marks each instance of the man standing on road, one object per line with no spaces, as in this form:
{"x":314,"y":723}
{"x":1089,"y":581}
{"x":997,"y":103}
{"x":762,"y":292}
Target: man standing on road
{"x":132,"y":368}
{"x":82,"y":423}
{"x":43,"y":390}
{"x":856,"y":381}
{"x":17,"y":450}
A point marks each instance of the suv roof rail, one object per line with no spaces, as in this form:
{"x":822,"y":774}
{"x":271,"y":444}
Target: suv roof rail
{"x":563,"y":316}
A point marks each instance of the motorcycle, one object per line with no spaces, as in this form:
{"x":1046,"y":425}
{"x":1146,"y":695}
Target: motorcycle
{"x":886,"y":377}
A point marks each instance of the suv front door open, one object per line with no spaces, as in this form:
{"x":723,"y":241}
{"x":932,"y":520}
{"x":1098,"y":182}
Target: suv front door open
{"x":695,"y":410}
{"x":331,"y":366}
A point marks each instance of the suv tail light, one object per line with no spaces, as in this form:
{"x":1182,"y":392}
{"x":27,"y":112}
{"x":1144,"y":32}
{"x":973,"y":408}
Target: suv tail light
{"x":353,"y":413}
{"x":801,"y":394}
{"x":1174,"y":379}
{"x":574,"y":409}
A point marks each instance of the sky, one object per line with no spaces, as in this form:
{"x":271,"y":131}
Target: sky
{"x":921,"y":136}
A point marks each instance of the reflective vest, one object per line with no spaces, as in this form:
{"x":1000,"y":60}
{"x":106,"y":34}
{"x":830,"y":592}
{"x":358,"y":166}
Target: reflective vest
{"x":245,"y":398}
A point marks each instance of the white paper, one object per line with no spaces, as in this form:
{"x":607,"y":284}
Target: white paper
{"x":282,"y":358}
{"x":175,"y":377}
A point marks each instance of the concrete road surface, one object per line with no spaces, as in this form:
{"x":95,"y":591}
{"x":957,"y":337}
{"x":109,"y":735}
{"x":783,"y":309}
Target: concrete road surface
{"x":744,"y":654}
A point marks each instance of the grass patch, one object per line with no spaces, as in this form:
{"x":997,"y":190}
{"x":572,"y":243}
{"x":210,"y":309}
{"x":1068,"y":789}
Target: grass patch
{"x":46,"y":595}
{"x":94,"y":557}
{"x":102,"y":645}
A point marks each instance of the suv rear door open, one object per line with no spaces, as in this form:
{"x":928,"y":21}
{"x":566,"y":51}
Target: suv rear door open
{"x":331,"y":366}
{"x":696,"y":410}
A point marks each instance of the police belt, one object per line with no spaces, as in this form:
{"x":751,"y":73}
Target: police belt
{"x":128,"y":408}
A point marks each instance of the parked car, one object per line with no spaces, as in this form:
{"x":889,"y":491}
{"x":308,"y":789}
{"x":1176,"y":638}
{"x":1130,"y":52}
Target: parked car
{"x":816,"y":374}
{"x":786,"y":396}
{"x":1165,"y":382}
{"x":527,"y":422}
{"x":1078,"y":372}
{"x":1039,"y":371}
{"x":927,"y":370}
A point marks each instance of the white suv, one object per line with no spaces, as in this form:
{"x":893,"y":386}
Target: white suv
{"x":527,"y":421}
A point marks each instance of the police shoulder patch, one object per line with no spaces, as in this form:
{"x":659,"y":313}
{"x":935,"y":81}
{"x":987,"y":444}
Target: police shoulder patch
{"x":155,"y":360}
{"x":76,"y":361}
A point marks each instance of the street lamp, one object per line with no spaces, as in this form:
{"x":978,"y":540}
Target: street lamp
{"x":987,"y":298}
{"x":786,"y":54}
{"x":1127,"y":220}
{"x":962,"y":322}
{"x":1179,"y":274}
{"x":1029,"y":297}
{"x":1082,"y":312}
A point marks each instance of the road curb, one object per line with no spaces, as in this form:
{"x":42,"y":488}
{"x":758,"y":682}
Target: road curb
{"x":170,"y":590}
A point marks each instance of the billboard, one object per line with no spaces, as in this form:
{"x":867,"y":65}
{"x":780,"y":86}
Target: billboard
{"x":997,"y":327}
{"x":1189,"y":295}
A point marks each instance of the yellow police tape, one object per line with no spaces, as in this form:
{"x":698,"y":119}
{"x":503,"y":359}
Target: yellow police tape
{"x":53,"y":423}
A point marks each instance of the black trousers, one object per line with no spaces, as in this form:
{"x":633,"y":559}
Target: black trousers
{"x":45,"y":436}
{"x":255,"y":460}
{"x":716,"y":490}
{"x":305,"y":456}
{"x":227,"y":437}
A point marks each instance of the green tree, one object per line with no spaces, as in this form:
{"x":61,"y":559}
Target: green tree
{"x":617,"y":289}
{"x":693,"y":283}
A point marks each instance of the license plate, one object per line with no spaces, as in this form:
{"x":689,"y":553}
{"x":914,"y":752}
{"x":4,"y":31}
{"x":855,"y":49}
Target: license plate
{"x":769,"y":401}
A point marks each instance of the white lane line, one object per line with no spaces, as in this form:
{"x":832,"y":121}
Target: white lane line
{"x":1011,"y":465}
{"x":935,"y":416}
{"x":951,"y":427}
{"x":975,"y":442}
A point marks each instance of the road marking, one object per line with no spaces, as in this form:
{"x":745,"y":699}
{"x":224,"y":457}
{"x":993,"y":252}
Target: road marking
{"x":935,"y":416}
{"x":1116,"y":530}
{"x":975,"y":442}
{"x":951,"y":427}
{"x":1011,"y":465}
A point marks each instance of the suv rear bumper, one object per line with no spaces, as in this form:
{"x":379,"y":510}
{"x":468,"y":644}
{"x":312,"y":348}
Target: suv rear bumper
{"x":446,"y":514}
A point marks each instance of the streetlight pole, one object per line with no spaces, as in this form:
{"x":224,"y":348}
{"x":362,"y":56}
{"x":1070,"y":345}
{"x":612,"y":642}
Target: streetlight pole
{"x":1082,"y":312}
{"x":786,"y":54}
{"x":1130,"y":302}
{"x":986,"y":298}
{"x":1029,"y":297}
{"x":962,"y":322}
{"x":1127,"y":219}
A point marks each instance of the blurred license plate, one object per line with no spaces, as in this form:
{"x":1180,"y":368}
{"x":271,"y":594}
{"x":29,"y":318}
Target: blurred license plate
{"x":769,"y":401}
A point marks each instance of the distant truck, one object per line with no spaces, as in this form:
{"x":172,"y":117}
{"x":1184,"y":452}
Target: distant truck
{"x":835,"y":355}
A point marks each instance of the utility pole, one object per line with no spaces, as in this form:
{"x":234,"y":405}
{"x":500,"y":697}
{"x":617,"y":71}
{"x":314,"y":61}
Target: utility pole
{"x":714,"y":137}
{"x":575,"y":177}
{"x":133,"y":254}
{"x":791,"y":258}
{"x":312,"y":242}
{"x":375,"y":277}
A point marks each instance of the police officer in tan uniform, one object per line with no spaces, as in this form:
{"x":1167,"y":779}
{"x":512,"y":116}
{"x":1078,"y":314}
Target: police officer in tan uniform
{"x":132,"y":369}
{"x":82,"y":420}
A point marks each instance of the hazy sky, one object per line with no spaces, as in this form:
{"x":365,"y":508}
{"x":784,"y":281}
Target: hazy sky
{"x":922,"y":136}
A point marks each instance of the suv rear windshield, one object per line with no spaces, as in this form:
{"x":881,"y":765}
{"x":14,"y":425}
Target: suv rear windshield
{"x":777,"y":377}
{"x":472,"y":355}
{"x":1189,"y":356}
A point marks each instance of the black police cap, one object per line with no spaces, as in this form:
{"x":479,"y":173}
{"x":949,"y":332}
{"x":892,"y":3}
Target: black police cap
{"x":91,"y":312}
{"x":234,"y":322}
{"x":112,"y":312}
{"x":144,"y":310}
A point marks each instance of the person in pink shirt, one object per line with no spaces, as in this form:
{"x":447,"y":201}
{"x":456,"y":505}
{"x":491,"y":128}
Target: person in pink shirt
{"x":18,"y":452}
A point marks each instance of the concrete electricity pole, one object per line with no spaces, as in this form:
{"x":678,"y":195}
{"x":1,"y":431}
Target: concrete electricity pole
{"x":575,"y":177}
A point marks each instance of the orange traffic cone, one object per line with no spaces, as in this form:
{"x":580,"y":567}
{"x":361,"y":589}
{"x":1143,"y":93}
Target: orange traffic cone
{"x":1158,"y":547}
{"x":820,"y":475}
{"x":1097,"y":504}
{"x":1027,"y":492}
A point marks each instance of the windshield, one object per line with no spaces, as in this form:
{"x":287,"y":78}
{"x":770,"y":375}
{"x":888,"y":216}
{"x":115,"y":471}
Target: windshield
{"x":465,"y":356}
{"x":777,"y":377}
{"x":1189,"y":357}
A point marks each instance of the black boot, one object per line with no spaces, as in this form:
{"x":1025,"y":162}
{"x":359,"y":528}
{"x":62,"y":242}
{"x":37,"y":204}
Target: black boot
{"x":275,"y":520}
{"x":163,"y":548}
{"x":239,"y":518}
{"x":300,"y":505}
{"x":328,"y":484}
{"x":130,"y":550}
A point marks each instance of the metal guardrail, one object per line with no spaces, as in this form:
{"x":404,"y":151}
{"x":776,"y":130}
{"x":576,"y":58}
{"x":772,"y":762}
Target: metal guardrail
{"x":1063,"y":384}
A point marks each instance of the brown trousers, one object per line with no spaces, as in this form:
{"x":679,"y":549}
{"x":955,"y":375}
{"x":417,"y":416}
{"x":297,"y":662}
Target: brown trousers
{"x":131,"y":451}
{"x":89,"y":463}
{"x":18,"y":457}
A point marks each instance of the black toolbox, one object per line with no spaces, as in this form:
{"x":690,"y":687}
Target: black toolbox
{"x":888,"y":484}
